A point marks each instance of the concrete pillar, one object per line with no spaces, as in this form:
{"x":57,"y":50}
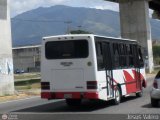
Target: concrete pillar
{"x":135,"y":24}
{"x":6,"y":61}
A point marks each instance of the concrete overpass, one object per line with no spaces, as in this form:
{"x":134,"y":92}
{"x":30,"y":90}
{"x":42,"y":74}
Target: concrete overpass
{"x":135,"y":23}
{"x":153,"y":4}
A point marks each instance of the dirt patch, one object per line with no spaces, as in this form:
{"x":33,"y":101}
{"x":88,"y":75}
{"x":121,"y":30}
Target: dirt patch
{"x":19,"y":95}
{"x":150,"y":75}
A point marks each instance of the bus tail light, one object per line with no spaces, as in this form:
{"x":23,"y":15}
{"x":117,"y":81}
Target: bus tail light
{"x":155,"y":84}
{"x":92,"y":85}
{"x":45,"y":85}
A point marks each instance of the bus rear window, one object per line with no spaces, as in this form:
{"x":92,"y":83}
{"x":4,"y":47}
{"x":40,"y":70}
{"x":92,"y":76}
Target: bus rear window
{"x":66,"y":49}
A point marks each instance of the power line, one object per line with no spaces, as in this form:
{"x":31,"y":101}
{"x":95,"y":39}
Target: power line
{"x":67,"y":22}
{"x":68,"y":26}
{"x":30,"y":20}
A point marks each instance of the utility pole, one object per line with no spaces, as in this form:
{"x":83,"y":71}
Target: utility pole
{"x":68,"y":26}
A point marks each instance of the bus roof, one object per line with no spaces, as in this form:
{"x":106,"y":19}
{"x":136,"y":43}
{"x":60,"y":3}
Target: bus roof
{"x":91,"y":35}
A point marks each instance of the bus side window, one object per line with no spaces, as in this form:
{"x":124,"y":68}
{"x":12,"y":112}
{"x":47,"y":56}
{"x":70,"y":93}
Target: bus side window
{"x":140,"y":57}
{"x":123,"y":56}
{"x":129,"y":56}
{"x":100,"y":63}
{"x":116,"y":55}
{"x":131,"y":62}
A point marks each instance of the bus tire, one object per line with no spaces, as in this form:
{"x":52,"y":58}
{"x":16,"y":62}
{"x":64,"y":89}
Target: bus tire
{"x":73,"y":102}
{"x":154,"y":102}
{"x":117,"y":98}
{"x":139,"y":94}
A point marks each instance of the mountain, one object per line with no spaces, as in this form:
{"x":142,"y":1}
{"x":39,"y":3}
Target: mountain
{"x":28,"y":28}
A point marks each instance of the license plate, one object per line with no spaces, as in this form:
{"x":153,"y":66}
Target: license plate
{"x":67,"y":95}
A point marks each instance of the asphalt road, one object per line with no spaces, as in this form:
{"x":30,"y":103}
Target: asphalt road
{"x":37,"y":109}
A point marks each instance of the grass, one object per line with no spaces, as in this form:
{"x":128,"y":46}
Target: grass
{"x":27,"y":81}
{"x":28,"y":86}
{"x":26,"y":76}
{"x":156,"y":70}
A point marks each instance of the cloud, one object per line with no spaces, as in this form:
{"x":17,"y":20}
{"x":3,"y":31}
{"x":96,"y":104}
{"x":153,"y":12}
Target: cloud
{"x":108,"y":5}
{"x":20,"y":6}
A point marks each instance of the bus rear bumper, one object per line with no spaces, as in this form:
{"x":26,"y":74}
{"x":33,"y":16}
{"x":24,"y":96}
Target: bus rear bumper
{"x":69,"y":95}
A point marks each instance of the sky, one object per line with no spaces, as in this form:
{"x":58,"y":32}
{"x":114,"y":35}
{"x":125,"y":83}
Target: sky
{"x":20,"y":6}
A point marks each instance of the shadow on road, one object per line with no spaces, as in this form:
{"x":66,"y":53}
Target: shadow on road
{"x":60,"y":106}
{"x":128,"y":99}
{"x":147,"y":106}
{"x":150,"y":106}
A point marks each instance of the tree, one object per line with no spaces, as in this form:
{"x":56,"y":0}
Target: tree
{"x":156,"y":54}
{"x":156,"y":51}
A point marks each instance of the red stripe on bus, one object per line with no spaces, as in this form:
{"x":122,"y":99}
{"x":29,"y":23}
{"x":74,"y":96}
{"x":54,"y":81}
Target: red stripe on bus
{"x":47,"y":95}
{"x":131,"y":86}
{"x":74,"y":95}
{"x":143,"y":80}
{"x":135,"y":72}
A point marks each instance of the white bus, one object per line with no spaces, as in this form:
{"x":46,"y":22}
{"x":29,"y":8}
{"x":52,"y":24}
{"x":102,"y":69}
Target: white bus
{"x":87,"y":66}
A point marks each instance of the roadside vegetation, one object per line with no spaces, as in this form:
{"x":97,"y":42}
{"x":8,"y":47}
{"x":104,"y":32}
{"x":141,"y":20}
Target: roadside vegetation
{"x":26,"y":76}
{"x":26,"y":85}
{"x":27,"y":81}
{"x":156,"y":54}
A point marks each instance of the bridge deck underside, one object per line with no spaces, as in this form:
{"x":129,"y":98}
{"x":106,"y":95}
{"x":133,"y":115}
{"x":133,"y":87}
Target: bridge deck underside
{"x":153,"y":4}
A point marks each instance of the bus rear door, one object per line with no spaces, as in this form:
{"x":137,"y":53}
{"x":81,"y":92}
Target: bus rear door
{"x":108,"y":68}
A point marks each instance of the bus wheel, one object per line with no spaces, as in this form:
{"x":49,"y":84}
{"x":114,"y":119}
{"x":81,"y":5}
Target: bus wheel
{"x":117,"y":98}
{"x":139,"y":94}
{"x":73,"y":102}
